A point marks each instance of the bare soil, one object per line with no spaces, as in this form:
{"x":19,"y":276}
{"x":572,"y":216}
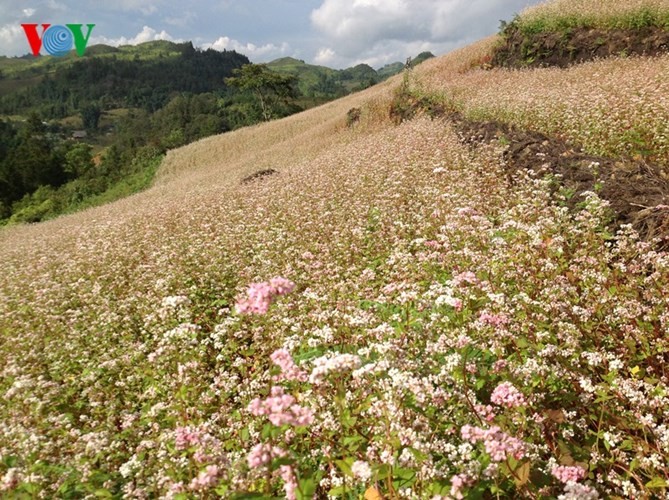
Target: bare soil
{"x":260,"y":174}
{"x":638,"y":191}
{"x":576,"y":45}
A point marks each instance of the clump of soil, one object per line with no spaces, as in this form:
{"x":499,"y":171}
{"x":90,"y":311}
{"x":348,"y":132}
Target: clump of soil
{"x":353,"y":116}
{"x":638,"y":191}
{"x":260,"y":174}
{"x":576,"y":45}
{"x":406,"y":106}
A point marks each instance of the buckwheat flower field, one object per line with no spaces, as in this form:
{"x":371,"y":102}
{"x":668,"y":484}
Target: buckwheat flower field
{"x":389,"y":316}
{"x":598,"y":13}
{"x":617,"y":106}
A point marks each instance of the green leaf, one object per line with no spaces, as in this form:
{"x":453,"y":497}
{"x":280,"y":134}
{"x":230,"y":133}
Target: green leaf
{"x":345,"y":466}
{"x":307,"y":489}
{"x":405,"y":474}
{"x":102,"y":493}
{"x":351,"y":440}
{"x":657,"y":482}
{"x":30,"y":488}
{"x":244,"y":496}
{"x":337,"y":492}
{"x":419,"y":455}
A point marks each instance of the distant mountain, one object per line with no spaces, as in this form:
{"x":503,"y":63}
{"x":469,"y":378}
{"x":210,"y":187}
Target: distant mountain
{"x":142,"y":76}
{"x":390,"y":70}
{"x":321,"y":81}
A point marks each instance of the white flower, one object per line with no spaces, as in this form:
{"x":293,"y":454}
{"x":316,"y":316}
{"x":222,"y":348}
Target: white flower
{"x":361,"y":470}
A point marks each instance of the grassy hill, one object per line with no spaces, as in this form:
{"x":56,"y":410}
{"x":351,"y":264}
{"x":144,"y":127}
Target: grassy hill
{"x":441,"y":298}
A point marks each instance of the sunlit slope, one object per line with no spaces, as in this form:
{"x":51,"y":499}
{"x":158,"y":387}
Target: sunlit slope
{"x":278,"y":144}
{"x":456,"y":330}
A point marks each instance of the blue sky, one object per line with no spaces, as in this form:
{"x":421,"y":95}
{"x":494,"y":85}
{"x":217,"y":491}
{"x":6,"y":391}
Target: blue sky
{"x":335,"y":33}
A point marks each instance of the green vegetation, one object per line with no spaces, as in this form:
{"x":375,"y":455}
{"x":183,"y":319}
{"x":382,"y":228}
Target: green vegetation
{"x":273,"y":91}
{"x":563,"y":16}
{"x":322,"y":82}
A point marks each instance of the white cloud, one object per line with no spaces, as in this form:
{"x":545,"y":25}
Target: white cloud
{"x":143,"y":6}
{"x":181,"y":21}
{"x":254,"y":52}
{"x":13,"y":39}
{"x":28,"y":12}
{"x":53,"y":5}
{"x":325,"y":56}
{"x":379,"y":30}
{"x":147,"y":34}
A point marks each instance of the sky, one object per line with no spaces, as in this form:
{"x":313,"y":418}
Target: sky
{"x":334,"y":33}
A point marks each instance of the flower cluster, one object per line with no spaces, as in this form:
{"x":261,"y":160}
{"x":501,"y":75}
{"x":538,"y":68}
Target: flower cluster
{"x":259,"y":296}
{"x":506,"y":394}
{"x":185,"y":437}
{"x":281,"y":409}
{"x":361,"y":470}
{"x":263,"y":454}
{"x":498,"y":444}
{"x":205,"y":479}
{"x":332,"y":363}
{"x":289,"y":370}
{"x":566,"y":474}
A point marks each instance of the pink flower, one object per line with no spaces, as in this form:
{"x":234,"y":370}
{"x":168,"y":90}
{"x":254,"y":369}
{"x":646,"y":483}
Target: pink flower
{"x":465,"y":277}
{"x":281,"y":286}
{"x":459,"y":481}
{"x":486,"y":412}
{"x":568,"y":474}
{"x":206,"y":479}
{"x":289,"y":370}
{"x":505,"y":394}
{"x":497,"y":443}
{"x":495,"y":320}
{"x":262,"y":454}
{"x":499,"y":365}
{"x":281,"y":409}
{"x":471,"y":433}
{"x":289,"y":481}
{"x":259,"y":296}
{"x":185,"y":437}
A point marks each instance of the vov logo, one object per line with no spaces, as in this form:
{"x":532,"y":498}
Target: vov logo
{"x":57,"y":40}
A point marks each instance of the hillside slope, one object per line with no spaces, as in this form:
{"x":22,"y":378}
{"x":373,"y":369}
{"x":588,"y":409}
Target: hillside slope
{"x":393,"y":314}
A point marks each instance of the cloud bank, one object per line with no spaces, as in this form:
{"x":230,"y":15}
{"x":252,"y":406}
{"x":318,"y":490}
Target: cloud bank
{"x":381,"y":31}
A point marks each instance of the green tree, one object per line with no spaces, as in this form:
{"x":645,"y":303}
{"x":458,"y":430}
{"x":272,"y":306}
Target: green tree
{"x":90,"y":116}
{"x":78,"y":160}
{"x":271,"y":89}
{"x":34,"y":161}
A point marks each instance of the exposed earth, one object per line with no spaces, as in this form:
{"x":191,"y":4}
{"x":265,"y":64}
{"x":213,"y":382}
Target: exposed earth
{"x":577,"y":45}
